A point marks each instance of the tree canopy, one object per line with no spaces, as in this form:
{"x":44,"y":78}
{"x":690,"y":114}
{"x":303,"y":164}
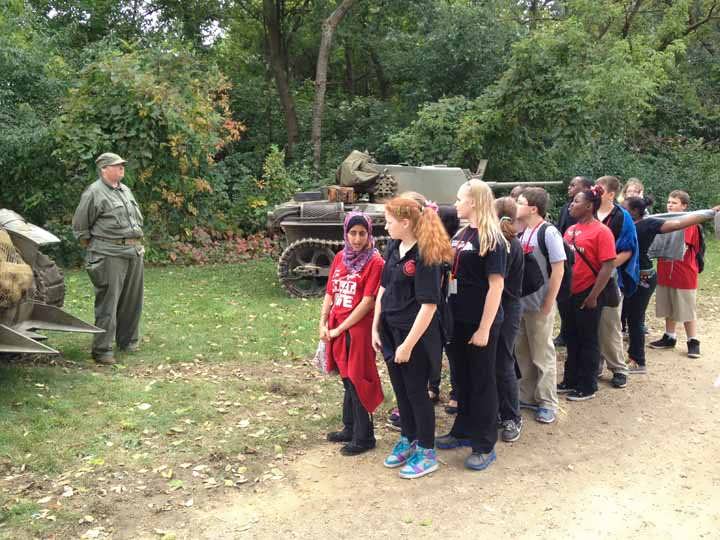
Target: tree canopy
{"x":205,"y":98}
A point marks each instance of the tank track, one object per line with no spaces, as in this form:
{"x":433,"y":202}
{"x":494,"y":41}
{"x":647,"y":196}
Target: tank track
{"x":49,"y":281}
{"x":311,"y":252}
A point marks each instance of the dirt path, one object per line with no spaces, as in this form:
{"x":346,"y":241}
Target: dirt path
{"x":642,"y":462}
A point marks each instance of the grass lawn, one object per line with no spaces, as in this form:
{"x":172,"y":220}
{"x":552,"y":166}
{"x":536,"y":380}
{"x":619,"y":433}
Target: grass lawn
{"x":222,"y":383}
{"x":220,"y":396}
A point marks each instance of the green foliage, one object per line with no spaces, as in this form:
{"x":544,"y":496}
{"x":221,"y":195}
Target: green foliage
{"x":250,"y":196}
{"x":167,"y":113}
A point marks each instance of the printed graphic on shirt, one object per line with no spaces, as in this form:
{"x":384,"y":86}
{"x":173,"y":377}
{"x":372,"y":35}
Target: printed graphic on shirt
{"x":344,"y":289}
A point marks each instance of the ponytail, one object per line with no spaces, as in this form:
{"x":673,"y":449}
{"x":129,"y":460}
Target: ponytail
{"x":506,"y":209}
{"x":433,"y":240}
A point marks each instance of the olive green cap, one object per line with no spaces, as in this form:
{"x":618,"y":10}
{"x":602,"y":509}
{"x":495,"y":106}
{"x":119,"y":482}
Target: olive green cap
{"x":107,"y":159}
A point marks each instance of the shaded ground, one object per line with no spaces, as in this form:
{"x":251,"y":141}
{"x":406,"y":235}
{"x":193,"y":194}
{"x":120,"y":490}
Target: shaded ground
{"x":641,"y":462}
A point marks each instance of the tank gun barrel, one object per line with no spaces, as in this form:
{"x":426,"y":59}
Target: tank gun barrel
{"x":542,"y":183}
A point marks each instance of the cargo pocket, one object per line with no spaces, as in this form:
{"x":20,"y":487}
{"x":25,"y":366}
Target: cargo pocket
{"x":118,"y":211}
{"x":95,"y":266}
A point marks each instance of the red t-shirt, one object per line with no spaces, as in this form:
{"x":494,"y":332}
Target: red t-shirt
{"x":348,"y":289}
{"x":682,"y":274}
{"x":596,"y":242}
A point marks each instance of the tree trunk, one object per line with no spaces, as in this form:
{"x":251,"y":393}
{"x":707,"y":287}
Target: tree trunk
{"x":380,"y":74}
{"x":328,"y":30}
{"x":349,"y":75}
{"x":278,"y":65}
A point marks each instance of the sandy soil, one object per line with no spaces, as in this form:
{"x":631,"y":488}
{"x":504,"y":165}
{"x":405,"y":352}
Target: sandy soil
{"x":641,"y":462}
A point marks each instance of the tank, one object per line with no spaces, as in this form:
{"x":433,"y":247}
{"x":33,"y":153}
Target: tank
{"x":32,"y":289}
{"x":310,"y":226}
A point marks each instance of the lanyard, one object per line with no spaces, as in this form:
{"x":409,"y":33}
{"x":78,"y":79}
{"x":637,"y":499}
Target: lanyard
{"x":526,"y":247}
{"x":460,"y":245}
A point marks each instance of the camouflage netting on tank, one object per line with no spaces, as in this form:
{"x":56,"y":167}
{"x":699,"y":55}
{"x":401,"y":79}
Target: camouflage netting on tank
{"x":16,"y":277}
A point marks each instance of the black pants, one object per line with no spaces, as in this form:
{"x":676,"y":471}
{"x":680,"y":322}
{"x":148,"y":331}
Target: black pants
{"x":355,"y":418}
{"x":435,"y":376}
{"x":410,"y":381}
{"x":476,"y":387}
{"x":636,"y":305}
{"x":507,"y":381}
{"x":583,"y":345}
{"x":565,"y":311}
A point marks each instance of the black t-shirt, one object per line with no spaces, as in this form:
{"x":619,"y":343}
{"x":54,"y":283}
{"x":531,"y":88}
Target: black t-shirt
{"x":408,"y":283}
{"x":566,"y":220}
{"x":472,"y":271}
{"x":615,"y":220}
{"x":514,"y":270}
{"x":647,"y":230}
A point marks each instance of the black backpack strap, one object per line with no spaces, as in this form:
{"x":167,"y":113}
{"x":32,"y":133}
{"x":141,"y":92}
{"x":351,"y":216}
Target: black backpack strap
{"x":584,"y":258}
{"x":542,"y":245}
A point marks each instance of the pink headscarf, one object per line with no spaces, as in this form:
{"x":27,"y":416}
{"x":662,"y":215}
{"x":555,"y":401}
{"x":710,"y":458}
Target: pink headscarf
{"x":353,"y":260}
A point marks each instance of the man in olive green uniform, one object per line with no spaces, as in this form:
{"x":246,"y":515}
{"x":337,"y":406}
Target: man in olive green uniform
{"x":108,"y":223}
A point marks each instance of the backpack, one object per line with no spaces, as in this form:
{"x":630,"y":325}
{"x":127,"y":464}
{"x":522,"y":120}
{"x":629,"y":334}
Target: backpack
{"x":565,"y":291}
{"x":700,"y":255}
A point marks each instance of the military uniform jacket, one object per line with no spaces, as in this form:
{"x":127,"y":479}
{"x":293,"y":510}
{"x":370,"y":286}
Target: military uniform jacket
{"x":106,"y":214}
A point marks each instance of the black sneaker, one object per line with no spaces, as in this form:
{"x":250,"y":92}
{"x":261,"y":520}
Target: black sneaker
{"x":693,"y":346}
{"x":577,"y":395}
{"x":665,"y":342}
{"x":393,"y":421}
{"x":340,"y":436}
{"x":564,"y":388}
{"x":619,"y":380}
{"x":511,"y":430}
{"x":352,"y":449}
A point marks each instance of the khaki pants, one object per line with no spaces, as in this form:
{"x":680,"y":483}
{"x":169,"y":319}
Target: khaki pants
{"x":118,"y":283}
{"x":611,"y":340}
{"x":536,"y":359}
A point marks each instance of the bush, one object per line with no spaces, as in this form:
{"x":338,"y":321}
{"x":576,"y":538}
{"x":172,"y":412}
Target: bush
{"x":168,"y":114}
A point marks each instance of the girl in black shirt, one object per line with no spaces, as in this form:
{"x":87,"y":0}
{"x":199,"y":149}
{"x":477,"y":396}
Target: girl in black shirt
{"x":507,"y":381}
{"x":406,"y":327}
{"x":647,"y":229}
{"x":476,"y":286}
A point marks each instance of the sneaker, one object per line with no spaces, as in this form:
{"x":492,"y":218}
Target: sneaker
{"x":511,"y":430}
{"x":393,"y":421}
{"x":340,"y":436}
{"x":479,"y":462}
{"x":564,"y":388}
{"x":693,"y":346}
{"x":619,"y":380}
{"x":422,"y":462}
{"x":665,"y":342}
{"x":448,"y":442}
{"x":635,"y":368}
{"x":352,"y":449}
{"x":526,"y":405}
{"x":400,"y":453}
{"x":545,"y":416}
{"x":559,"y":341}
{"x":577,"y":395}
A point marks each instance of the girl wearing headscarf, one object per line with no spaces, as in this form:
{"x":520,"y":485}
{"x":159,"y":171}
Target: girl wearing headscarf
{"x":346,"y":324}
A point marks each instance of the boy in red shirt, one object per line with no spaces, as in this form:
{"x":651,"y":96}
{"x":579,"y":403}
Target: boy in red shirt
{"x":677,"y":286}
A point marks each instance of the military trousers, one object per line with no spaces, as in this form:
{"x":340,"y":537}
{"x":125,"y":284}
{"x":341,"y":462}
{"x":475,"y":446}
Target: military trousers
{"x":118,"y":283}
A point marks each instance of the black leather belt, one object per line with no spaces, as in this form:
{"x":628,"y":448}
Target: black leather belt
{"x":121,"y":241}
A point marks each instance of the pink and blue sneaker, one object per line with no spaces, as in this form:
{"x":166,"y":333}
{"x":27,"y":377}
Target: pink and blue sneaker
{"x":422,"y":462}
{"x":401,"y":453}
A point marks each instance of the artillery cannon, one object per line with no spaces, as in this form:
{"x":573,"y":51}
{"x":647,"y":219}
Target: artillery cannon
{"x":311,"y":224}
{"x":32,"y":288}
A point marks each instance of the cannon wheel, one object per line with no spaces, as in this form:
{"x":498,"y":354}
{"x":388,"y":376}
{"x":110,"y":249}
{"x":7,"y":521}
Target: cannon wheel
{"x":49,"y":281}
{"x":306,"y":253}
